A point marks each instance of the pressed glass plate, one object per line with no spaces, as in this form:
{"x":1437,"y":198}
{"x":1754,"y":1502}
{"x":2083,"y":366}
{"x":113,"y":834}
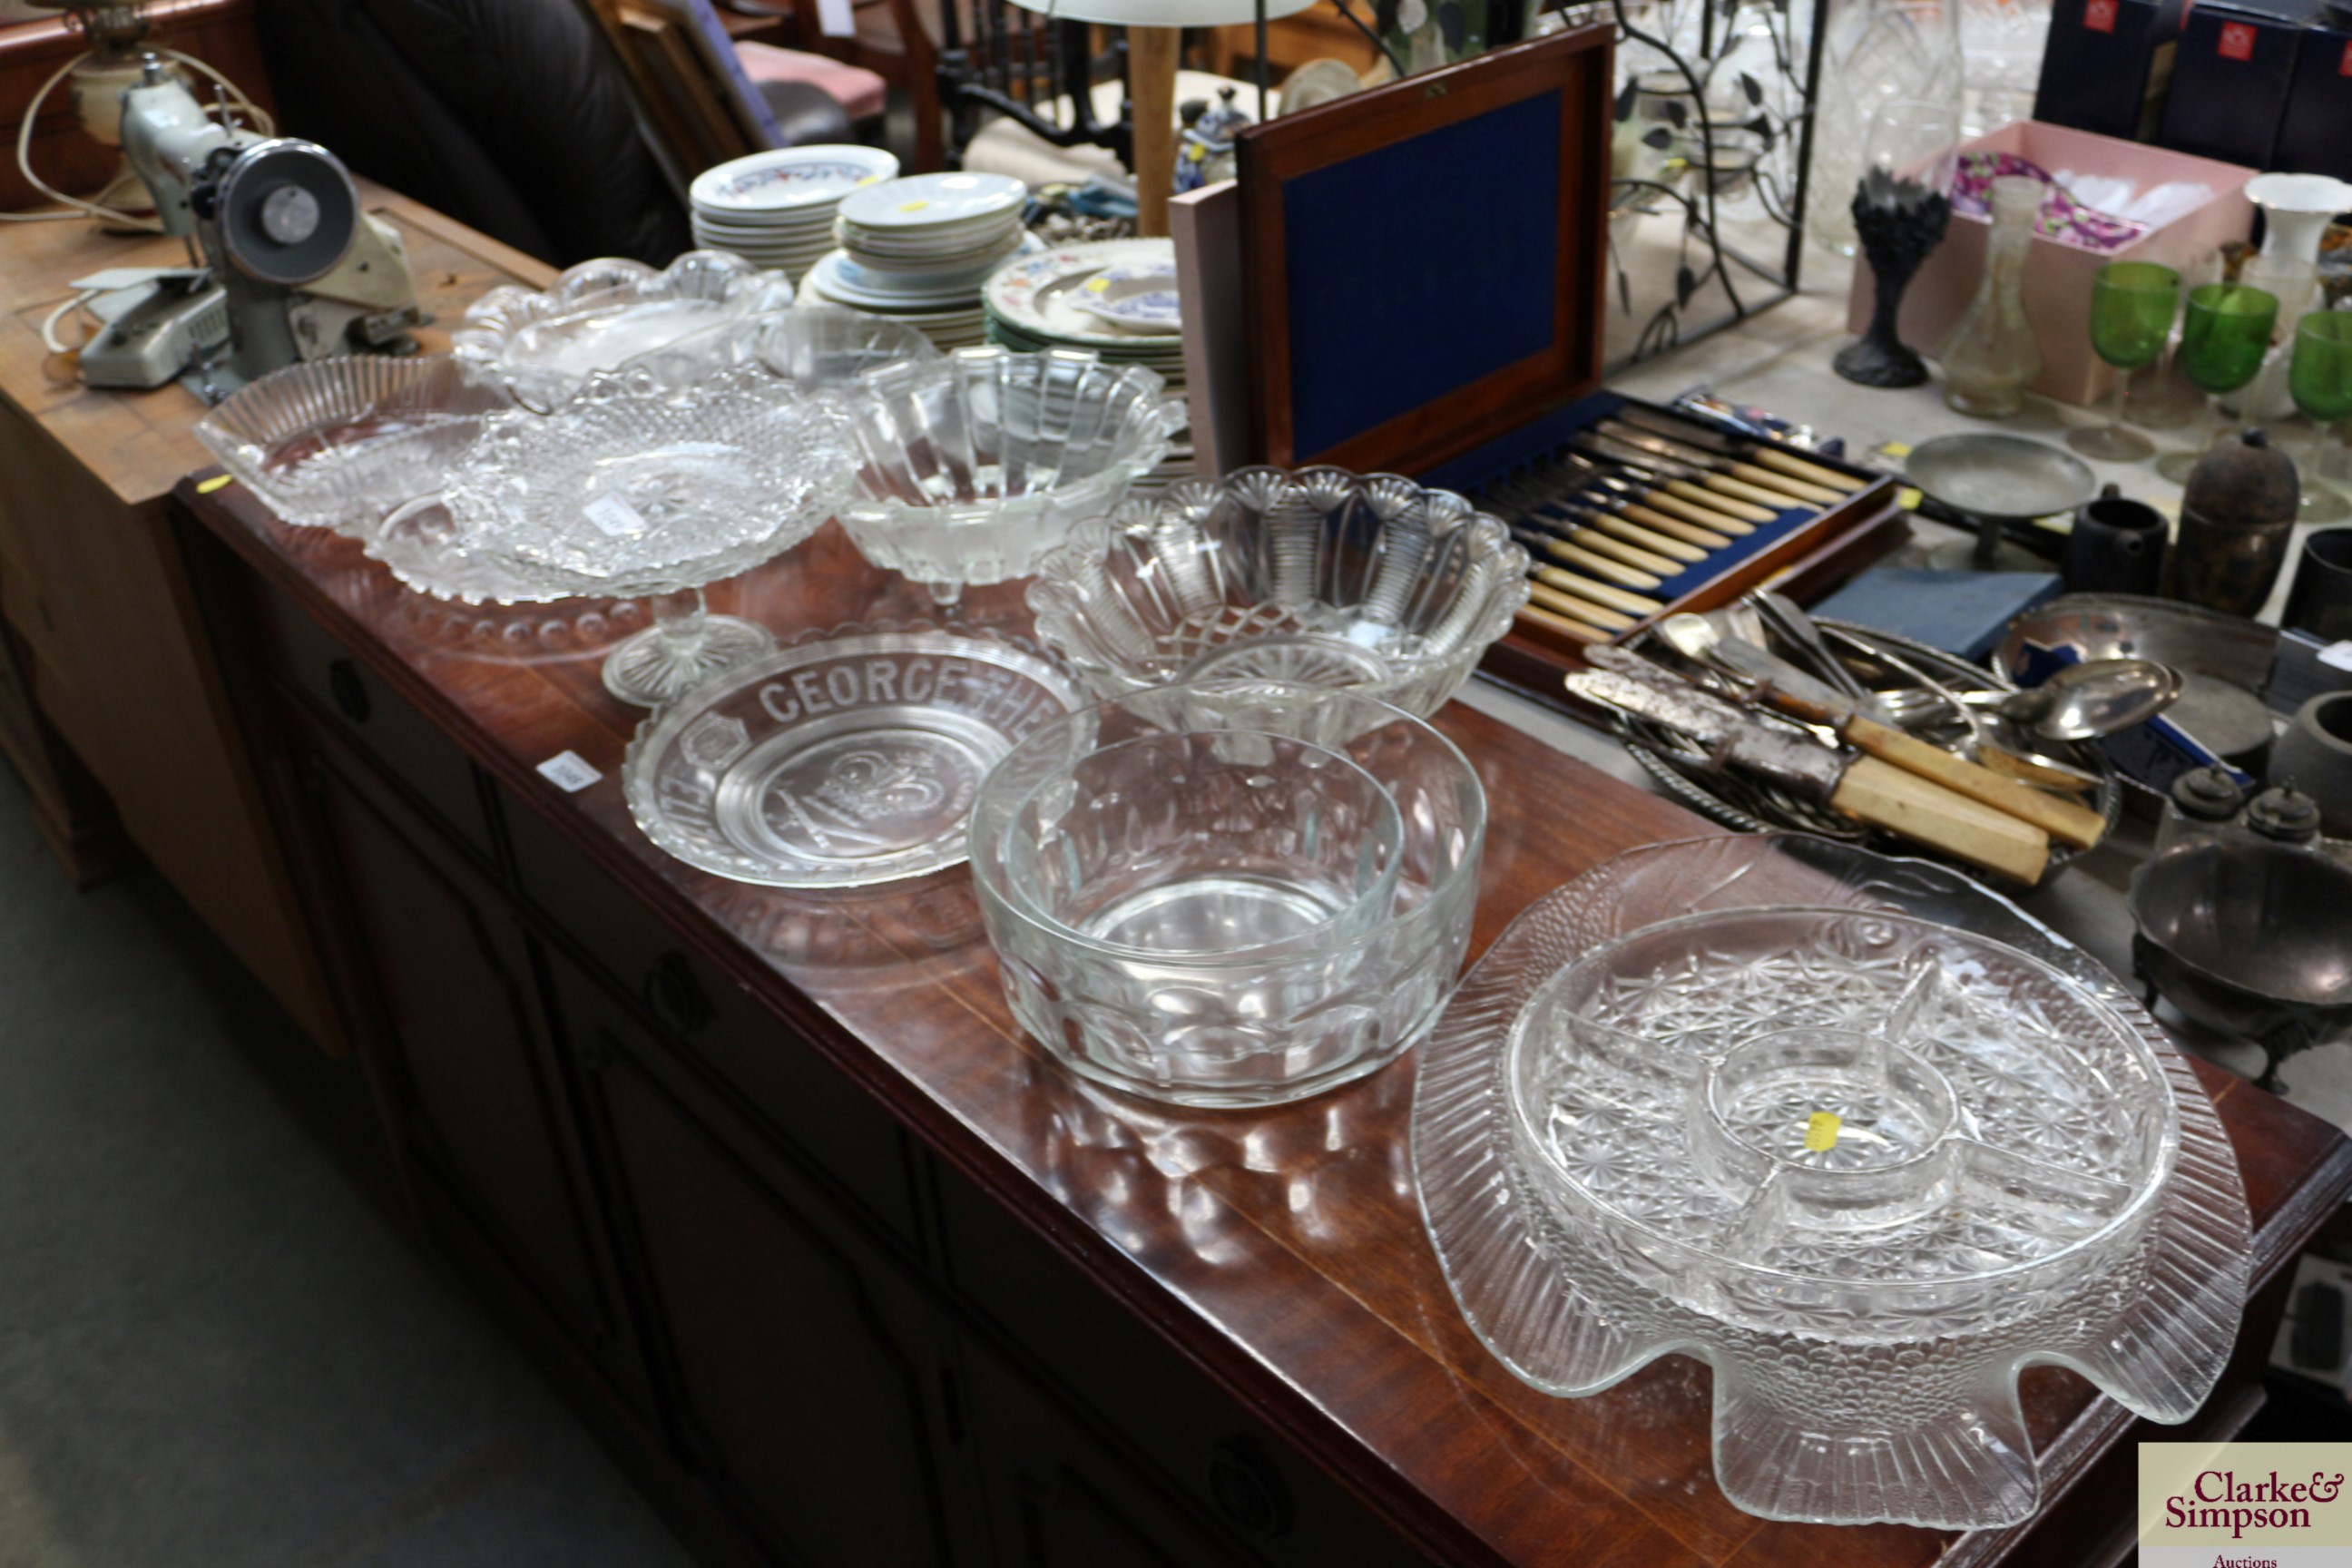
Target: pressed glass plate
{"x":840,"y":762}
{"x":1856,"y":1132}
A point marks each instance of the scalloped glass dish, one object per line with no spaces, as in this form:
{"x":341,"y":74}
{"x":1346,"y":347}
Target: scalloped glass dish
{"x":819,"y":347}
{"x":1853,"y":1131}
{"x":844,"y":760}
{"x":339,"y":443}
{"x":1404,"y":588}
{"x":600,"y":314}
{"x":975,"y":465}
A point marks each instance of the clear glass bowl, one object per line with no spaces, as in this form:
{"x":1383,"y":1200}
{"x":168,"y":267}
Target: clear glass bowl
{"x":1852,"y":1129}
{"x":821,"y":347}
{"x":600,"y":314}
{"x":1325,"y":1001}
{"x":1371,"y":567}
{"x":339,"y":443}
{"x":846,"y":760}
{"x":631,"y":487}
{"x":975,"y":465}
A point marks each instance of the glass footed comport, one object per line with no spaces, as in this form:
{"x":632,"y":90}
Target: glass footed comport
{"x":634,"y":487}
{"x":1858,"y":1133}
{"x":2132,"y":307}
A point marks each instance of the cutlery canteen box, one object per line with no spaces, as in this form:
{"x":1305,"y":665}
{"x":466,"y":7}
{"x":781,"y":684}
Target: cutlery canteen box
{"x":1424,"y":273}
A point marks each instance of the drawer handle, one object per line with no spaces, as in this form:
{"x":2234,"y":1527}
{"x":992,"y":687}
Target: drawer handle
{"x":1247,"y":1488}
{"x":675,"y":997}
{"x":349,"y":693}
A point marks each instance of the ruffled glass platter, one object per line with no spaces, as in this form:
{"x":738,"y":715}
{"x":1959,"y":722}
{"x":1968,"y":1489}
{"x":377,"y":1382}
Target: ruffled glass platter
{"x":1856,"y":1132}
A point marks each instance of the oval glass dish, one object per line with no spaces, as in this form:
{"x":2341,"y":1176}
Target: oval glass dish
{"x":1402,"y":587}
{"x":1856,"y":1132}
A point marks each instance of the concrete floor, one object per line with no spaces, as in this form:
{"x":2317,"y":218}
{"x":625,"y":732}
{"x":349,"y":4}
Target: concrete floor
{"x":212,"y":1349}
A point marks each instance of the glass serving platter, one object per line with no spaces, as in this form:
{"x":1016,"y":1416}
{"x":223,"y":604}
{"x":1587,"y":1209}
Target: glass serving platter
{"x":1856,"y":1132}
{"x":840,"y":762}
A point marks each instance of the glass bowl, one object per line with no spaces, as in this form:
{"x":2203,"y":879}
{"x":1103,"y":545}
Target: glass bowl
{"x":600,"y":314}
{"x":846,"y":760}
{"x":1860,"y":1134}
{"x":1328,"y":995}
{"x":339,"y":443}
{"x":1402,"y":588}
{"x":822,"y":347}
{"x":973,"y":466}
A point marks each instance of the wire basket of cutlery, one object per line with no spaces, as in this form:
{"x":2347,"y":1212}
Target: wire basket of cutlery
{"x":1763,"y":719}
{"x":1631,"y":511}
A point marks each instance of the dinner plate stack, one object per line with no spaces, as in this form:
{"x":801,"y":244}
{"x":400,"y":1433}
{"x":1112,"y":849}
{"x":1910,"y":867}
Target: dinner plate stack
{"x":1115,"y":298}
{"x":919,"y":249}
{"x":777,"y":208}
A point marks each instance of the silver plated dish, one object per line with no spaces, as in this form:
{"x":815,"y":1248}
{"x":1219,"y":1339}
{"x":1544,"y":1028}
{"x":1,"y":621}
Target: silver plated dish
{"x":1861,"y":1135}
{"x":339,"y":443}
{"x":840,"y":762}
{"x":1688,"y":773}
{"x":1367,"y":582}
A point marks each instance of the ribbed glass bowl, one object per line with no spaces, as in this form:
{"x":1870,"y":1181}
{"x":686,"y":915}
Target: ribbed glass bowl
{"x":1322,"y":993}
{"x":1366,"y":582}
{"x":820,"y":347}
{"x":601,"y":314}
{"x":339,"y":443}
{"x":1858,"y":1133}
{"x":973,"y":466}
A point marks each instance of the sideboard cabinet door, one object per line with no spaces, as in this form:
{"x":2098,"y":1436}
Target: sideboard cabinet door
{"x":807,"y":1367}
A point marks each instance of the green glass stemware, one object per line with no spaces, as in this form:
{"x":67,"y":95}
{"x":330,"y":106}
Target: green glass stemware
{"x":2319,"y":376}
{"x":2223,"y":338}
{"x":2132,"y":307}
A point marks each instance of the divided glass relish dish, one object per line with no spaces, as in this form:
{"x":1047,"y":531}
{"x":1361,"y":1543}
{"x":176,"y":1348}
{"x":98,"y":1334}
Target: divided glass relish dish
{"x":1369,"y":582}
{"x":1856,"y":1132}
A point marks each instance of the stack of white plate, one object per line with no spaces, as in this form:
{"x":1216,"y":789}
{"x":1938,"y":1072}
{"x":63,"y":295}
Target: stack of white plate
{"x":919,"y":249}
{"x":1115,"y":296}
{"x":777,"y":208}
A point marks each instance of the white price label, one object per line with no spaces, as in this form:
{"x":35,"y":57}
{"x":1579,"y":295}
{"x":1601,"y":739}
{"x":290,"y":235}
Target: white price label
{"x":2337,"y":655}
{"x":833,"y":20}
{"x":613,"y":517}
{"x":568,"y":772}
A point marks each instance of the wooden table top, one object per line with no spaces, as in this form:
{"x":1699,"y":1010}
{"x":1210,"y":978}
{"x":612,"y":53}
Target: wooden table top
{"x":138,"y":442}
{"x":1282,"y":1251}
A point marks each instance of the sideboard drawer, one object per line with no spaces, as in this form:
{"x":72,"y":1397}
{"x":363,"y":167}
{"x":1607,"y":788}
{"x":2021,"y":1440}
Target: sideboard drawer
{"x":788,"y":1089}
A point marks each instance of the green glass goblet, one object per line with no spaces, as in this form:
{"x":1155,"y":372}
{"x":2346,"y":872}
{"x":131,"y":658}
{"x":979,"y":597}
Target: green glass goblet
{"x":2132,"y":306}
{"x":2319,"y":376}
{"x":2223,"y":338}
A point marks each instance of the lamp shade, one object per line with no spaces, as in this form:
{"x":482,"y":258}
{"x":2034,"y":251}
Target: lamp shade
{"x":1163,"y":13}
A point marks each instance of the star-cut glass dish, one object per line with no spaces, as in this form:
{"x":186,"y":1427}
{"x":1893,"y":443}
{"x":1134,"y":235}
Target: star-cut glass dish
{"x":1852,"y":1129}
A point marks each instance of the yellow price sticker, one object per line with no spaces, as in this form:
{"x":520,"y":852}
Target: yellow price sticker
{"x":1097,"y":285}
{"x":218,"y":482}
{"x":1821,"y":1131}
{"x":912,"y":206}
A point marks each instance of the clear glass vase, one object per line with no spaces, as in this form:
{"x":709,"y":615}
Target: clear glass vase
{"x":1993,"y":355}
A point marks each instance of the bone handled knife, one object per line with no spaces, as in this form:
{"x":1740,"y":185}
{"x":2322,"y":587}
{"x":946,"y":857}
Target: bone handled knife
{"x":1864,"y":788}
{"x":1700,"y":434}
{"x":1799,"y":695}
{"x":1698,"y":456}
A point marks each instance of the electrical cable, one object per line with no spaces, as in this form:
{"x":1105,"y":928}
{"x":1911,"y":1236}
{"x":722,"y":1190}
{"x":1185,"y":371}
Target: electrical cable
{"x":1377,"y":42}
{"x":50,"y":323}
{"x":239,"y":103}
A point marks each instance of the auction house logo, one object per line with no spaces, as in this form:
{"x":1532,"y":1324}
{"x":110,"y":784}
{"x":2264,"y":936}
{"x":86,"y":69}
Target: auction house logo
{"x":2245,"y":1505}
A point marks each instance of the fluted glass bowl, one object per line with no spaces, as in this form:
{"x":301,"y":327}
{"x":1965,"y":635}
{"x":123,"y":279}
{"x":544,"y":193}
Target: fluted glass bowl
{"x":822,"y":347}
{"x":339,"y":443}
{"x":1366,"y":582}
{"x":599,"y":315}
{"x":1858,"y":1133}
{"x":1273,"y":1009}
{"x":972,"y":465}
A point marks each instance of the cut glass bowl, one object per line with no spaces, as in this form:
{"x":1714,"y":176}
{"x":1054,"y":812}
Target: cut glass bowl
{"x":973,"y":466}
{"x":339,"y":443}
{"x":821,"y":347}
{"x":633,"y":488}
{"x":844,"y":760}
{"x":1291,"y":1001}
{"x":1856,"y":1132}
{"x":600,"y":314}
{"x":1400,"y":588}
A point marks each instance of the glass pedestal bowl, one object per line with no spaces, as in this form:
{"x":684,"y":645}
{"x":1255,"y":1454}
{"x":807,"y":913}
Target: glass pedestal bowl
{"x":1190,"y":978}
{"x":1366,"y":582}
{"x":973,"y":466}
{"x":1853,"y":1131}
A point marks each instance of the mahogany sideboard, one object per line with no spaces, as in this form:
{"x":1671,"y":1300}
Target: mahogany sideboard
{"x":109,"y":707}
{"x":846,"y":1272}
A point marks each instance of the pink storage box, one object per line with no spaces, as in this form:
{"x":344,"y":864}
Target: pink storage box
{"x":2058,"y":277}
